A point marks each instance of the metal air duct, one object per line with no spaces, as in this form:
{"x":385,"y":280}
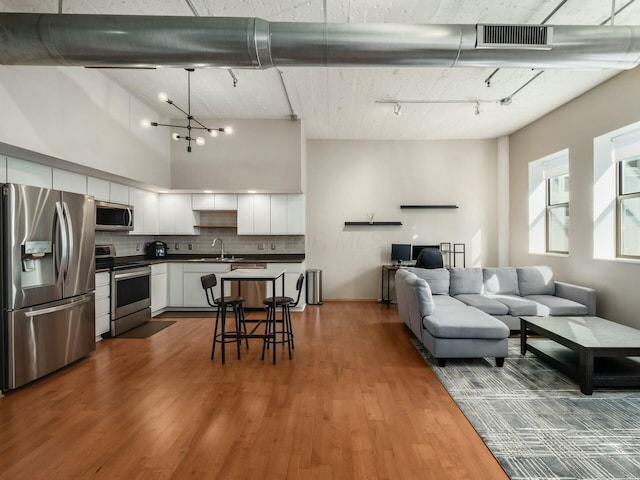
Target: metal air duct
{"x":199,"y":42}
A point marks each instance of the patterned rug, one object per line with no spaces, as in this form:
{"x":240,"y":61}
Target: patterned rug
{"x":536,"y":422}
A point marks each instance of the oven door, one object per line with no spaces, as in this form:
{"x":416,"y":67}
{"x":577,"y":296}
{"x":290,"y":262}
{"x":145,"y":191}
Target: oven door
{"x":130,"y":291}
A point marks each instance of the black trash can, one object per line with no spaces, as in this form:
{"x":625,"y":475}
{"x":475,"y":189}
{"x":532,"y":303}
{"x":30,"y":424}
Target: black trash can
{"x":314,"y":286}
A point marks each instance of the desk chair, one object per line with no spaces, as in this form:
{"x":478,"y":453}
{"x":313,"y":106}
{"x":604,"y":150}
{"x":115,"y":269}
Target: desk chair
{"x":235,"y":302}
{"x":429,"y":258}
{"x":286,"y":303}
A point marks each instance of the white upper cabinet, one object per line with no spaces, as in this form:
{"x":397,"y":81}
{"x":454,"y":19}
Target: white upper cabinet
{"x":296,"y":219}
{"x":175,"y":214}
{"x":278,"y":214}
{"x":69,"y":181}
{"x":287,"y":214}
{"x":28,"y":173}
{"x":245,"y":214}
{"x":261,"y":214}
{"x":214,"y":201}
{"x":145,"y":211}
{"x":99,"y":188}
{"x":119,"y":193}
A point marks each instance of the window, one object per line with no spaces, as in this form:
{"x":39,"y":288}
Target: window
{"x":549,"y":204}
{"x":628,"y":210}
{"x":558,"y":214}
{"x":616,"y":194}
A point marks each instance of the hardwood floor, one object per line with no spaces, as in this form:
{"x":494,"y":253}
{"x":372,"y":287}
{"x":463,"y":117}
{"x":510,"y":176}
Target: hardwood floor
{"x":356,"y":401}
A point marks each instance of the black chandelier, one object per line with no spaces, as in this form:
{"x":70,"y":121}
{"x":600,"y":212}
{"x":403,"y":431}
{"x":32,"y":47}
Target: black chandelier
{"x":190,"y":118}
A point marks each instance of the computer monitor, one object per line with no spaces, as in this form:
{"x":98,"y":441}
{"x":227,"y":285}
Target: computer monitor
{"x":415,"y":250}
{"x":400,"y":252}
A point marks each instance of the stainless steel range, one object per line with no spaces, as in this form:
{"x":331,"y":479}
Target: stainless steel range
{"x":130,"y":290}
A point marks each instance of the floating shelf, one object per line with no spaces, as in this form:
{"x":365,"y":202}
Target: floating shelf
{"x":428,"y":206}
{"x":372,"y":224}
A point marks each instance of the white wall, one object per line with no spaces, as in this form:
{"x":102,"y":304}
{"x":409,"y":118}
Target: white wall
{"x":261,"y":155}
{"x":612,"y":105}
{"x":81,"y":116}
{"x":348,"y":179}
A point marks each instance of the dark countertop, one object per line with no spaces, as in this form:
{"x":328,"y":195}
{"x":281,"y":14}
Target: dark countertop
{"x":211,"y":258}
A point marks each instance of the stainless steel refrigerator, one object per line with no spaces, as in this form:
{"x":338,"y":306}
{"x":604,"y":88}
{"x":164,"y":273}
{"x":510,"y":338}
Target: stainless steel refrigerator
{"x":48,"y":281}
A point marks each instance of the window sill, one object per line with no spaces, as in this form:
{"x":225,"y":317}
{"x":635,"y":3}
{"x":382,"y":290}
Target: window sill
{"x":619,"y":260}
{"x":548,"y":254}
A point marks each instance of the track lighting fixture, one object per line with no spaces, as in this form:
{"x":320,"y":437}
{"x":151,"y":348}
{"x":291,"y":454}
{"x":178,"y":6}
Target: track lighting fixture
{"x":190,"y":118}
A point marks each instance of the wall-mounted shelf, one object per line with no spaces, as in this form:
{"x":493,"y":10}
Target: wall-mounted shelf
{"x":428,"y":206}
{"x":371,"y":224}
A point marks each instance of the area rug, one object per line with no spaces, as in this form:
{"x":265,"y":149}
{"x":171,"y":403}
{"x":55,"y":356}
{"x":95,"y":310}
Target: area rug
{"x":147,"y":329}
{"x":536,"y":422}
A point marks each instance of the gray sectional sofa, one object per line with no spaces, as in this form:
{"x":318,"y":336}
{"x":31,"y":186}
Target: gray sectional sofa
{"x":470,"y":312}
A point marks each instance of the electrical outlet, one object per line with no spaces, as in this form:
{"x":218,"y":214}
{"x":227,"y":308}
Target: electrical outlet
{"x":261,"y":246}
{"x":190,"y":246}
{"x":177,"y":246}
{"x":273,"y":246}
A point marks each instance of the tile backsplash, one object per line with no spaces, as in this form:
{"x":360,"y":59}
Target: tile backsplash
{"x":234,"y":244}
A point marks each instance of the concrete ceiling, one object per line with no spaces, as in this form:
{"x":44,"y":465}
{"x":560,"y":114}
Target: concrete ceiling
{"x":344,"y":103}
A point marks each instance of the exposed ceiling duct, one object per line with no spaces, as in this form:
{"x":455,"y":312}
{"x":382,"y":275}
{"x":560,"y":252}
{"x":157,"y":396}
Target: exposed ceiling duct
{"x":198,"y":42}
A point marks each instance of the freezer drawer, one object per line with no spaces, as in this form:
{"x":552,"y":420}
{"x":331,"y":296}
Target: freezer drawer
{"x":45,"y":338}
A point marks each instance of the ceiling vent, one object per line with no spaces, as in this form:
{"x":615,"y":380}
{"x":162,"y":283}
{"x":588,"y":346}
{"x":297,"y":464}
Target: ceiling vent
{"x":537,"y":37}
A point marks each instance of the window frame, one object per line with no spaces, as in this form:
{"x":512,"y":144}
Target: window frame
{"x":620,"y":197}
{"x":554,"y":206}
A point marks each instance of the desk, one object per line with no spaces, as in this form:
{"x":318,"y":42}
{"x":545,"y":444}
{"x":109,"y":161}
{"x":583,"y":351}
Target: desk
{"x":246,"y":275}
{"x":386,"y":272}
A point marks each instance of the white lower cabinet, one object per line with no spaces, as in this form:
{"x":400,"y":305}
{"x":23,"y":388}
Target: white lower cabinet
{"x":159,"y":288}
{"x":185,"y":287}
{"x":103,"y":303}
{"x":292,"y":272}
{"x":193,"y":294}
{"x":176,"y":272}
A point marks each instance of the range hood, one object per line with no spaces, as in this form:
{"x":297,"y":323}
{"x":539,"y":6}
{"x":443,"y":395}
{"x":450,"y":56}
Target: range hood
{"x":135,"y":41}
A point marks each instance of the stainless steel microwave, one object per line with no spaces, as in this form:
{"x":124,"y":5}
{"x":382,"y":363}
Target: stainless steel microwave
{"x":113,"y":216}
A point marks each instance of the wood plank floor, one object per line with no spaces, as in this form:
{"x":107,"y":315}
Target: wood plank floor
{"x":356,"y":401}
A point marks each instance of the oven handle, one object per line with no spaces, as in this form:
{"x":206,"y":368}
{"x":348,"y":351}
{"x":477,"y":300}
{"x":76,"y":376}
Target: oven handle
{"x":137,"y":273}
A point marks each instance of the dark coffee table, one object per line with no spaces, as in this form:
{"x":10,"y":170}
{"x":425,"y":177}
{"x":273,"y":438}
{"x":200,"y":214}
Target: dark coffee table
{"x":593,"y":350}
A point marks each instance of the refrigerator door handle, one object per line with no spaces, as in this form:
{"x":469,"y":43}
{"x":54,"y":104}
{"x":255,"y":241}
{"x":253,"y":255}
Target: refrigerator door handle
{"x":70,"y":245}
{"x":64,"y":255}
{"x":57,"y":308}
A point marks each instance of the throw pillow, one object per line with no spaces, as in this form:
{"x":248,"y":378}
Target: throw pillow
{"x":465,"y":281}
{"x":437,"y":278}
{"x":423,"y":295}
{"x":536,"y":281}
{"x":500,"y":281}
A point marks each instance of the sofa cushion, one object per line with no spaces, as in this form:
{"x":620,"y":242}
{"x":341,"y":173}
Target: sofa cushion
{"x":500,"y":281}
{"x":535,"y":281}
{"x":437,"y":278}
{"x":550,"y":305}
{"x":465,"y":280}
{"x":517,"y":305}
{"x":484,"y":303}
{"x":446,"y":301}
{"x":464,"y":322}
{"x":423,"y":294}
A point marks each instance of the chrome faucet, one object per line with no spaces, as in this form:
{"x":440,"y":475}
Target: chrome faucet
{"x":216,"y":240}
